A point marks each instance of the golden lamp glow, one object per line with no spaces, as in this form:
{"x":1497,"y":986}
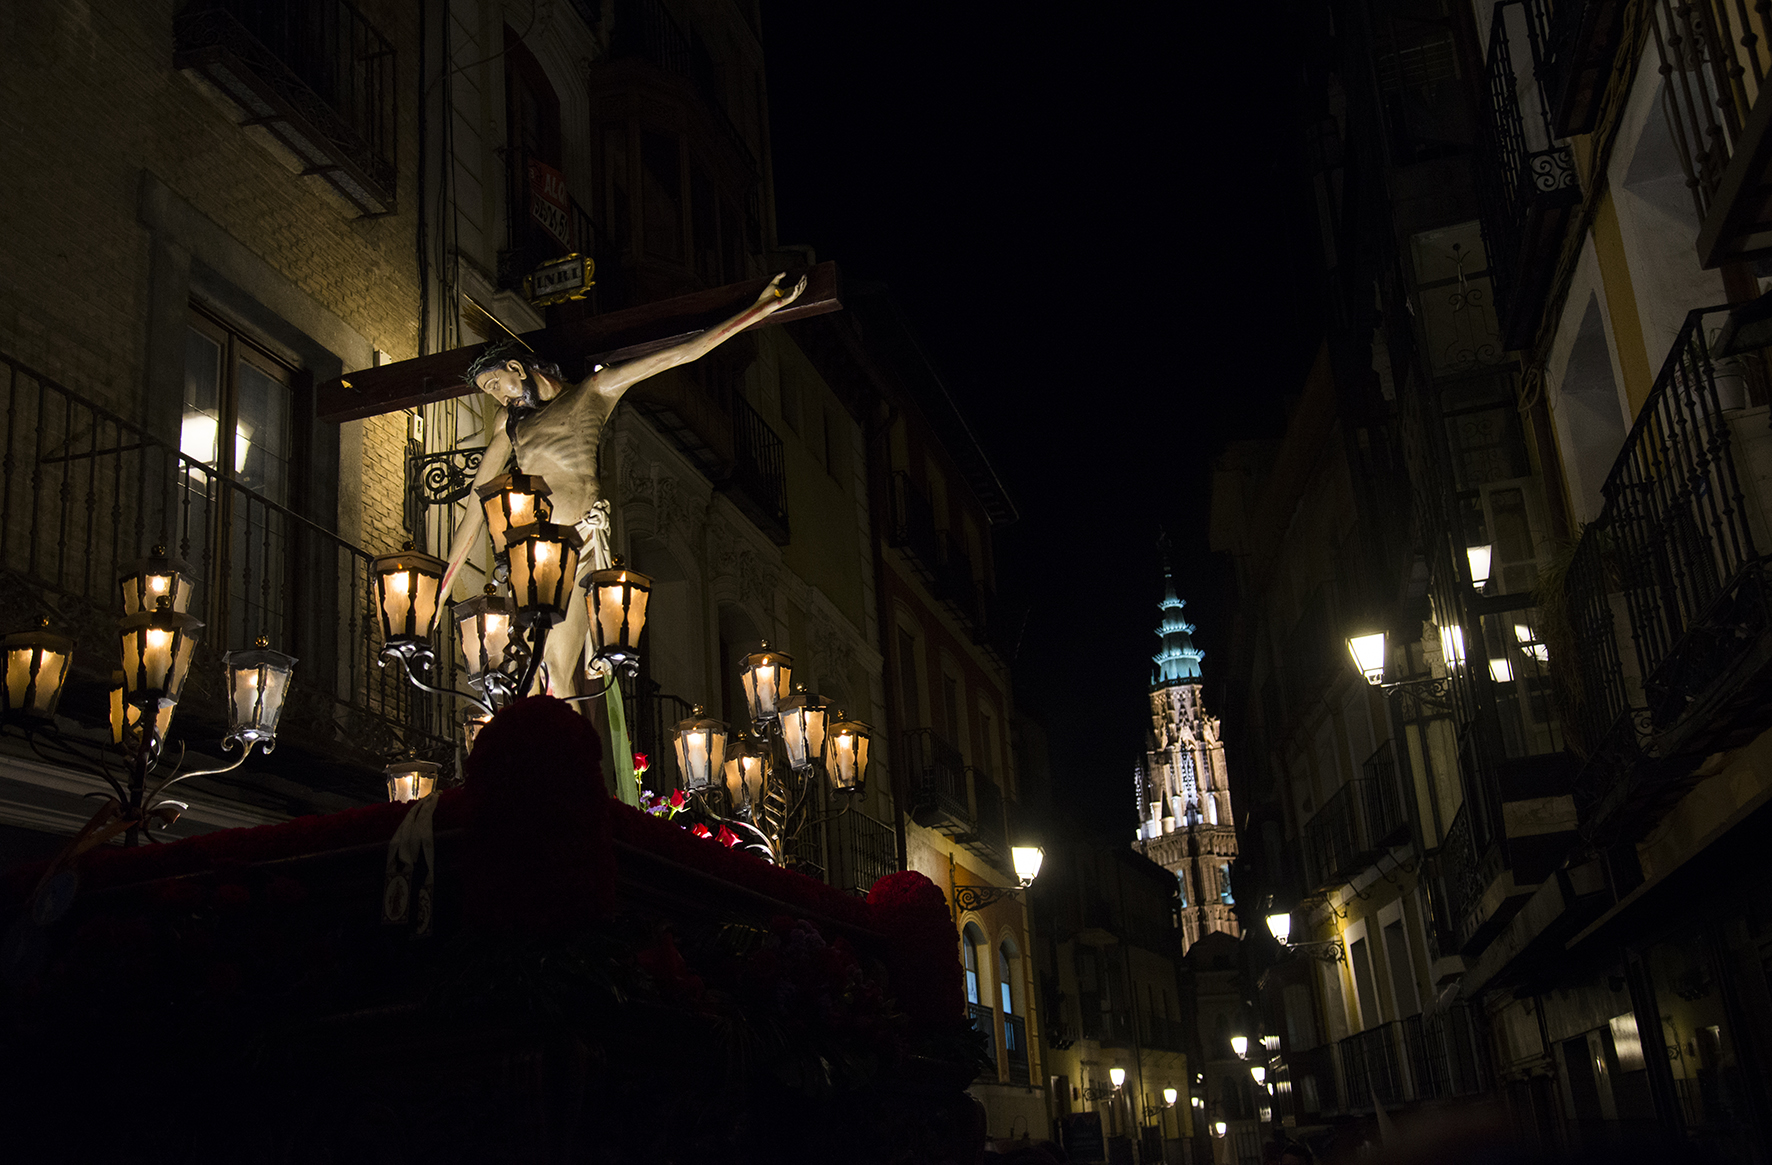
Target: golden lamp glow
{"x":846,"y":747}
{"x":411,"y":779}
{"x":406,"y":586}
{"x":157,"y":576}
{"x":512,"y":500}
{"x":544,"y":566}
{"x":764,"y":674}
{"x":1239,"y":1044}
{"x":1260,"y":1073}
{"x":484,"y":623}
{"x":803,"y":717}
{"x":747,"y":768}
{"x":1219,"y":1128}
{"x":126,"y":718}
{"x":616,"y":600}
{"x":1027,"y":860}
{"x":1117,"y":1075}
{"x":1169,"y":1095}
{"x":36,"y":669}
{"x":701,"y":749}
{"x":157,"y":651}
{"x":1368,"y":652}
{"x":1280,"y":926}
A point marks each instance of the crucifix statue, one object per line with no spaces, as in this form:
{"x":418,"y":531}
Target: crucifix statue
{"x":551,"y":429}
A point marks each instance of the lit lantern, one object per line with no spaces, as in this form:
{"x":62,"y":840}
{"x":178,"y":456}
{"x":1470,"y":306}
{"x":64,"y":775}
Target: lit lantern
{"x":1169,"y":1095}
{"x":764,"y":674}
{"x":1259,"y":1072}
{"x":155,"y":577}
{"x":1280,"y":926}
{"x":544,"y":565}
{"x":616,"y":600}
{"x":1027,"y":860}
{"x":1219,"y":1128}
{"x":485,"y":622}
{"x":747,"y":767}
{"x":157,"y":650}
{"x":1239,"y":1044}
{"x":126,"y":718}
{"x":1117,"y":1075}
{"x":36,"y":668}
{"x":406,"y":586}
{"x":701,"y":749}
{"x":411,"y":779}
{"x":846,"y":746}
{"x":1479,"y":557}
{"x":473,"y":719}
{"x":258,"y":683}
{"x":803,"y":717}
{"x":1368,"y":652}
{"x":511,"y":500}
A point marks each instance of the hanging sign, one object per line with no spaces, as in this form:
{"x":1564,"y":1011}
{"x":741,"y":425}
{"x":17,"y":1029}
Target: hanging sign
{"x":548,"y":201}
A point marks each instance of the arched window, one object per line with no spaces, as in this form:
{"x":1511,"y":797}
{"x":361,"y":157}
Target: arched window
{"x":971,"y":942}
{"x":1006,"y":976}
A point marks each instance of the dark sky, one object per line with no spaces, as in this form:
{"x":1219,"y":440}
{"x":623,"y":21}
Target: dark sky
{"x":1097,"y":226}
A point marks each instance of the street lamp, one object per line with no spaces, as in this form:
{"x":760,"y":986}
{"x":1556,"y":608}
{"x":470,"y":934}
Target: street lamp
{"x":1259,"y":1072}
{"x":616,"y":599}
{"x":846,"y":753}
{"x":36,"y":669}
{"x":1369,"y":655}
{"x":1240,"y":1045}
{"x":1027,"y":860}
{"x":1280,"y":926}
{"x":1169,"y":1095}
{"x":764,"y":674}
{"x":1479,"y":558}
{"x":701,"y":749}
{"x":1117,"y":1075}
{"x":1219,"y":1128}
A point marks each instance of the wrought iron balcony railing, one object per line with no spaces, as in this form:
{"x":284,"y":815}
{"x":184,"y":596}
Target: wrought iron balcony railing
{"x":1674,"y":555}
{"x":1457,"y":1063}
{"x":1388,"y":1062}
{"x":984,"y":1021}
{"x":939,"y":781}
{"x":1584,"y":38}
{"x":315,"y":73}
{"x":759,"y":472}
{"x":84,"y":492}
{"x":863,"y":850}
{"x":988,"y":837}
{"x":1015,"y":1048}
{"x":1356,"y":824}
{"x":1527,"y":180}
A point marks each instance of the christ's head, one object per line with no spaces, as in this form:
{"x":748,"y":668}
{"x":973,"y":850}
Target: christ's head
{"x":515,"y":379}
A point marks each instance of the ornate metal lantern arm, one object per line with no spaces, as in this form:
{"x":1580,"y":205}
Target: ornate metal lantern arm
{"x":1328,"y":951}
{"x":979,"y":897}
{"x":93,"y":761}
{"x":229,"y":743}
{"x":407,"y":653}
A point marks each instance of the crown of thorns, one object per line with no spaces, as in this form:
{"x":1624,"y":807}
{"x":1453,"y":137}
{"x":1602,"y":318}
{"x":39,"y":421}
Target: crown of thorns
{"x":496,"y":355}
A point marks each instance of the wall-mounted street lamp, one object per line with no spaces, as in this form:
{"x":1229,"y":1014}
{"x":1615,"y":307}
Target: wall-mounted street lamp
{"x":1330,"y":951}
{"x":1371,"y":650}
{"x":1027,"y":860}
{"x":1479,"y":558}
{"x":1240,"y":1045}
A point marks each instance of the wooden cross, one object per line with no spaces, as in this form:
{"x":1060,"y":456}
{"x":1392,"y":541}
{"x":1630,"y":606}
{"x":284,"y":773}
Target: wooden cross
{"x":604,"y":339}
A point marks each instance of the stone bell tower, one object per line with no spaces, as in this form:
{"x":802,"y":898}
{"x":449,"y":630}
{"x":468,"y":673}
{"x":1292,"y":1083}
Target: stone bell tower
{"x":1184,"y":798}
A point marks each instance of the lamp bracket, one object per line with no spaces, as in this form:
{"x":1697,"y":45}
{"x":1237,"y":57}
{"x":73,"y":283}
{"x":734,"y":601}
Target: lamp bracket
{"x":979,"y":897}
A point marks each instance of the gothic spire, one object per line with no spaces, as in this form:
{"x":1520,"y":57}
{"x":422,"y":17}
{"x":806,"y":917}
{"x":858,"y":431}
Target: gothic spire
{"x":1178,"y":662}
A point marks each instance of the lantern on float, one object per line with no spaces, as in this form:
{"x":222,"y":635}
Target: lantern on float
{"x":764,"y":674}
{"x":411,"y":779}
{"x":701,"y":749}
{"x":485,"y":623}
{"x":511,"y":500}
{"x":747,"y":767}
{"x":544,"y":565}
{"x":846,"y":746}
{"x":155,"y":577}
{"x":36,"y":669}
{"x":802,"y":720}
{"x":157,"y":650}
{"x":406,"y":587}
{"x":616,"y":600}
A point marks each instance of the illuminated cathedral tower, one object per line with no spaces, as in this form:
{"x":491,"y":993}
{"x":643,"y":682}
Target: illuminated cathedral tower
{"x":1184,"y":800}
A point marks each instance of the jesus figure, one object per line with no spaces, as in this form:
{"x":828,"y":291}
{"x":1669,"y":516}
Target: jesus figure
{"x":551,"y":430}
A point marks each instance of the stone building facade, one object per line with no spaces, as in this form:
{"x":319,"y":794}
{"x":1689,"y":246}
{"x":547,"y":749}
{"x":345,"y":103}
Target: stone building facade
{"x":1184,"y":797}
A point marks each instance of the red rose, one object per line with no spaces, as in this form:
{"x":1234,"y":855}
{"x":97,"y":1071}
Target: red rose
{"x":700,"y":830}
{"x":678,"y":800}
{"x":641,"y":763}
{"x":726,"y":837}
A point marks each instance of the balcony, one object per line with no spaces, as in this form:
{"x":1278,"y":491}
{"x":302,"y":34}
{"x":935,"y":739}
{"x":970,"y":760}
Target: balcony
{"x":938,"y":780}
{"x":1716,"y":59}
{"x":1673,"y":556}
{"x":313,"y":73}
{"x":1527,"y":181}
{"x":758,"y":484}
{"x":984,"y":1021}
{"x":913,"y":527}
{"x":1360,"y":821}
{"x":1015,"y":1048}
{"x":1584,"y":39}
{"x":1388,"y":1062}
{"x":84,"y":493}
{"x":861,"y":850}
{"x":989,"y":837}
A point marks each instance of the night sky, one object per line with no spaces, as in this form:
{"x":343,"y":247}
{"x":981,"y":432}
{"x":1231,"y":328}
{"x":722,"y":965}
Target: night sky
{"x":1101,"y":232}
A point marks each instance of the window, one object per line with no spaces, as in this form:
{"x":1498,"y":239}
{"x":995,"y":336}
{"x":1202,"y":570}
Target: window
{"x":970,"y":942}
{"x":235,"y":435}
{"x":1005,"y":978}
{"x":950,"y":706}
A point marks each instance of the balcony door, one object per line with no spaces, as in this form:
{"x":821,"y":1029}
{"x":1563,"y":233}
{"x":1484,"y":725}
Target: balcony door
{"x":235,"y":438}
